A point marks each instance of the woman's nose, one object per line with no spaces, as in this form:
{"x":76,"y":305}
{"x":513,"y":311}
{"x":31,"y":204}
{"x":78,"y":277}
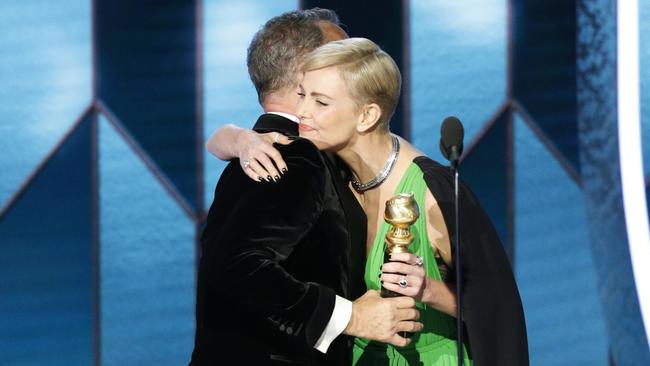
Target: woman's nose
{"x":302,"y":110}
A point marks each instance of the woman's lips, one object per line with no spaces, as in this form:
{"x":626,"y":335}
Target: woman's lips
{"x":305,"y":128}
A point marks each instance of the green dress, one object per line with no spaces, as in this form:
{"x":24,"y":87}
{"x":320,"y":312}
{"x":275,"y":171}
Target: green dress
{"x":435,"y":344}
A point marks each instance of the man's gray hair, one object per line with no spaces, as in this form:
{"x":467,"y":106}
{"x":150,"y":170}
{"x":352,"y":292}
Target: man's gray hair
{"x":275,"y":53}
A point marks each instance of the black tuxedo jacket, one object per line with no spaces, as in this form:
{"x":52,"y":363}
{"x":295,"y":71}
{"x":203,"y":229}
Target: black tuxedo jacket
{"x":273,"y":256}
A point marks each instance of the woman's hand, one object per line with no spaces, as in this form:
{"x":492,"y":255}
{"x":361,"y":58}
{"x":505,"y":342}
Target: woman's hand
{"x":255,"y":150}
{"x":257,"y":156}
{"x":437,"y":294}
{"x":405,"y":275}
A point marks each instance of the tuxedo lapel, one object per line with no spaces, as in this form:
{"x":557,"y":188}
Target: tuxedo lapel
{"x":356,"y":223}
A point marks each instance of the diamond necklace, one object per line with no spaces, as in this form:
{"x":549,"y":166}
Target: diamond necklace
{"x":383,"y":174}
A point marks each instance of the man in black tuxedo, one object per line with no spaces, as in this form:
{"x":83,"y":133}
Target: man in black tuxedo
{"x":280,"y":257}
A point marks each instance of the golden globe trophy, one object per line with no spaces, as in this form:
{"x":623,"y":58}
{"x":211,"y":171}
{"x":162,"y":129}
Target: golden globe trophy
{"x":401,"y":212}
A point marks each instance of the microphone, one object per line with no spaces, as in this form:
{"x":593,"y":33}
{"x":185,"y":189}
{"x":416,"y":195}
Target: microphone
{"x":451,"y":140}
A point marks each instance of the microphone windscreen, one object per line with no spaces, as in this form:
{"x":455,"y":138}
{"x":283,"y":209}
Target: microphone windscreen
{"x":451,"y":133}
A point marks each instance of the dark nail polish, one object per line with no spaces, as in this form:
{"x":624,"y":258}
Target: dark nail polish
{"x":276,"y":178}
{"x":284,"y":170}
{"x":291,"y":138}
{"x":382,"y":282}
{"x":260,"y":179}
{"x":380,"y":275}
{"x":269,"y":178}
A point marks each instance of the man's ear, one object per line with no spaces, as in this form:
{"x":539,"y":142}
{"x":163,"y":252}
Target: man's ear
{"x":369,"y":117}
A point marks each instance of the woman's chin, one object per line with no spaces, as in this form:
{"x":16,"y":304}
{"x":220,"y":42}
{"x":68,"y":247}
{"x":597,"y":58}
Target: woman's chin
{"x":321,"y":145}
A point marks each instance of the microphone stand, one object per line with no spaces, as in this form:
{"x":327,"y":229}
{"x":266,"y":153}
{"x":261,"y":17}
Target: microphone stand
{"x":451,"y":146}
{"x":457,"y":262}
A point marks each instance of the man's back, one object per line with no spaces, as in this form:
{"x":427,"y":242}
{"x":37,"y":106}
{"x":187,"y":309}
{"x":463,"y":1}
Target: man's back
{"x":273,"y":255}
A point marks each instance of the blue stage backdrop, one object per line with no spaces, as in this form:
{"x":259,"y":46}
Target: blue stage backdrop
{"x":106,"y":105}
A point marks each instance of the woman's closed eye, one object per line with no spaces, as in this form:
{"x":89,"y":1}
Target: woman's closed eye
{"x":322,"y":103}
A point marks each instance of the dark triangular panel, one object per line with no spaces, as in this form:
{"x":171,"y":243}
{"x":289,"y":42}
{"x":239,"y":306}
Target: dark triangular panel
{"x":544,"y":70}
{"x":46,"y":262}
{"x":485,"y":169}
{"x":147,"y":76}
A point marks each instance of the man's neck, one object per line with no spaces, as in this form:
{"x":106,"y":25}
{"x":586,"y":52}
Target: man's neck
{"x":278,"y":108}
{"x":282,"y":102}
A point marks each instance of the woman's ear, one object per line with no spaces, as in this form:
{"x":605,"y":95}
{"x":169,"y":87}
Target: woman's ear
{"x":369,"y":117}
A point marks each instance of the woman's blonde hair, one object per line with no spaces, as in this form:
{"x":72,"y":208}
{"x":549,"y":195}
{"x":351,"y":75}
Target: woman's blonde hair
{"x":370,"y":74}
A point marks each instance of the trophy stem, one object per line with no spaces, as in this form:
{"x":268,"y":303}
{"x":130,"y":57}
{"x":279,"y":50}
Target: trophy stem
{"x":384,"y":291}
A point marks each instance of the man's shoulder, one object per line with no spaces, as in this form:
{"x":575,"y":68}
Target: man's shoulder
{"x":303,"y":154}
{"x":307,"y":173}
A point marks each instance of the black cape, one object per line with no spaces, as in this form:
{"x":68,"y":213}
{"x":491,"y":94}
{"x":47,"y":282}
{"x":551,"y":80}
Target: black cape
{"x":492,"y":309}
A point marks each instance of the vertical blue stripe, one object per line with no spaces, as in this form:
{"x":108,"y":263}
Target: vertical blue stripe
{"x":544,"y":70}
{"x":146,"y":74}
{"x":555,"y":269}
{"x":601,"y":180}
{"x":644,"y":64}
{"x":147,"y":263}
{"x":458,"y":66}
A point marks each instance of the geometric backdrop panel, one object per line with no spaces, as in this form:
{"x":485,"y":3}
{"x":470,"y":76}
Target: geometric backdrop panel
{"x":147,"y":76}
{"x":45,"y":73}
{"x":229,"y":95}
{"x":597,"y":65}
{"x":544,"y":72}
{"x":644,"y":63}
{"x":555,"y":269}
{"x":147,"y":263}
{"x":46,"y":262}
{"x":485,"y":169}
{"x":458,"y":66}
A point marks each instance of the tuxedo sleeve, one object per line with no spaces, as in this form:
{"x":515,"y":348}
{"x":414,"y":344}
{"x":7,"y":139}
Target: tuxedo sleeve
{"x":265,"y":226}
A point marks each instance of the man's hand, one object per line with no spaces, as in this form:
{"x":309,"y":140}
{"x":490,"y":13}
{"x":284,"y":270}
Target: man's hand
{"x":380,"y":319}
{"x":257,"y":156}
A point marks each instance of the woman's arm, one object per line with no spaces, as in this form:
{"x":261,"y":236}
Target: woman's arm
{"x":257,"y":156}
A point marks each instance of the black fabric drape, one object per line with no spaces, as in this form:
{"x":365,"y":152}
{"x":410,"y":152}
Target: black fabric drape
{"x":492,"y":309}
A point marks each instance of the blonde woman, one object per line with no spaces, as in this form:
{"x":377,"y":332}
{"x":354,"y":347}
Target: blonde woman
{"x":348,"y":95}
